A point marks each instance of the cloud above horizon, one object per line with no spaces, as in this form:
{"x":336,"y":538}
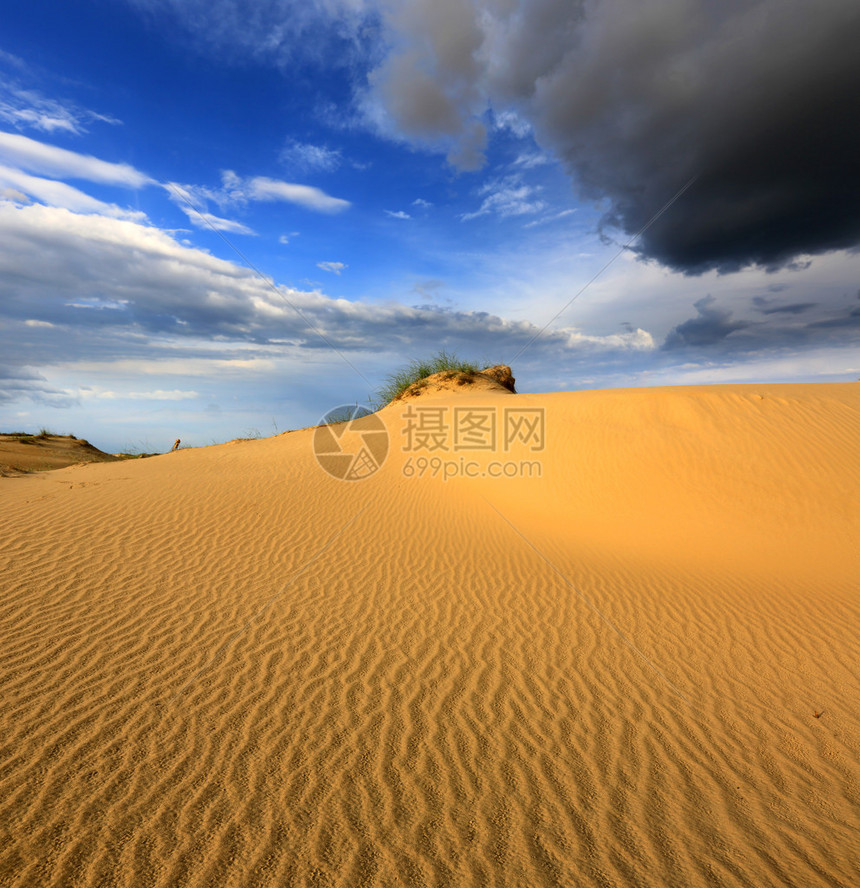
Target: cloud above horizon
{"x":67,"y":270}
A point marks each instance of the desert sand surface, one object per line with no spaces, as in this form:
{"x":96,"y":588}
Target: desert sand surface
{"x":222,"y":666}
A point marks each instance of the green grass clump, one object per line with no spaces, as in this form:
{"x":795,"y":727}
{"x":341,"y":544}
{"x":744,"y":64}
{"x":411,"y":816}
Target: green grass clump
{"x":449,"y":364}
{"x":343,"y":414}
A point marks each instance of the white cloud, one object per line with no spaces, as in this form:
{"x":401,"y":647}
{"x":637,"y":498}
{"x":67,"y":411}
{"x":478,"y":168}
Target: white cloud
{"x":508,"y":197}
{"x":423,"y":204}
{"x":236,"y":191}
{"x":192,"y":200}
{"x":58,"y":194}
{"x":12,"y":60}
{"x":552,"y":217}
{"x":48,"y":160}
{"x":511,"y":121}
{"x":399,"y":214}
{"x":157,"y":395}
{"x":333,"y":267}
{"x":530,"y":160}
{"x":209,"y":220}
{"x":29,"y":108}
{"x":262,"y":188}
{"x":637,"y":340}
{"x":307,"y":157}
{"x":279,"y":31}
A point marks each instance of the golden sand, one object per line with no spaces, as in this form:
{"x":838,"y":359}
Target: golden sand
{"x":222,"y":666}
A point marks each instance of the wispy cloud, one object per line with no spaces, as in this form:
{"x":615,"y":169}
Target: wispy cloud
{"x":507,"y":197}
{"x":333,"y":267}
{"x":262,"y":188}
{"x":192,"y":200}
{"x":156,"y":395}
{"x":306,"y":157}
{"x":238,"y":191}
{"x":397,"y":214}
{"x":512,"y":122}
{"x":210,"y":220}
{"x":28,"y":108}
{"x":279,"y":31}
{"x":551,"y":217}
{"x":48,"y":160}
{"x":531,"y":159}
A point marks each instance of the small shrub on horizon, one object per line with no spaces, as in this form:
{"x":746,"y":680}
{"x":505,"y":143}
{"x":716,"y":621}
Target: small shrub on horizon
{"x":449,"y":364}
{"x":335,"y":417}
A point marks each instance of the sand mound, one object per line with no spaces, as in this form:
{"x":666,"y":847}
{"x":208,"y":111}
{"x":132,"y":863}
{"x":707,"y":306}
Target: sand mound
{"x":629,"y":661}
{"x":491,"y":379}
{"x":38,"y":453}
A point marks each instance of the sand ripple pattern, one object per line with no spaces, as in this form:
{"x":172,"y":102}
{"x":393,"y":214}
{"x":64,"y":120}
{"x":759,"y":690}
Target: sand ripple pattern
{"x":220,"y":667}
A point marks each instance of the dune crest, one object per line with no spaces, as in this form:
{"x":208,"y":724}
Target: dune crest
{"x":498,"y":379}
{"x":632,"y":663}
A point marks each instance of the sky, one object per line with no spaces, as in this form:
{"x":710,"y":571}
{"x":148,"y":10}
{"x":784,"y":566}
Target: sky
{"x":222,"y":219}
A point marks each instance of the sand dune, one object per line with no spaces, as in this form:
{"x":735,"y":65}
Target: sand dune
{"x":24,"y":453}
{"x":223,"y":666}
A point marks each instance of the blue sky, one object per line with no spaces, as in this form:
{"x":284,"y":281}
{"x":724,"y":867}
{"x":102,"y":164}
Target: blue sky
{"x":225,"y":217}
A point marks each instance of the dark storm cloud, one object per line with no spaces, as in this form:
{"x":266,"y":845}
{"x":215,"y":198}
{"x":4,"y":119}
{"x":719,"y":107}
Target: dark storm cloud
{"x":753,"y":103}
{"x":794,"y":308}
{"x":845,"y":322}
{"x":710,"y":326}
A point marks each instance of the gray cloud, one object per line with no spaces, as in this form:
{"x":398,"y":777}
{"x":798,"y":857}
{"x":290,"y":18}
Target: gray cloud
{"x":794,"y":308}
{"x":710,"y":326}
{"x":851,"y":320}
{"x":92,"y":273}
{"x":18,"y":381}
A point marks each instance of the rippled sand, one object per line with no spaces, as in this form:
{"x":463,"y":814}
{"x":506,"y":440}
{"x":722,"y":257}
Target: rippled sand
{"x":224,"y":667}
